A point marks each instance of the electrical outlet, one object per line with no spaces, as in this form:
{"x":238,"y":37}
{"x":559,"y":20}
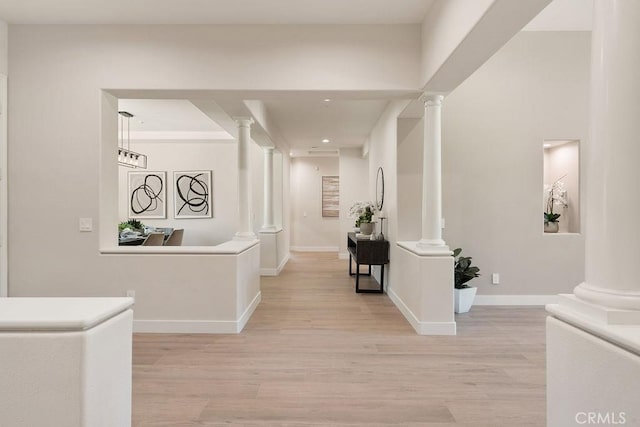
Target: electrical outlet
{"x":86,"y":224}
{"x":131,"y":294}
{"x":495,"y":278}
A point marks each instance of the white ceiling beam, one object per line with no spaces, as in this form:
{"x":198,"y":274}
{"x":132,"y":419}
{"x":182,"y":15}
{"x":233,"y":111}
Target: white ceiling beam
{"x":461,"y":35}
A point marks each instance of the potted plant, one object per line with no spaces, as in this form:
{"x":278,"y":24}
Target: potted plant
{"x":132,"y":225}
{"x":555,"y":195}
{"x":463,"y":272}
{"x":363,"y":211}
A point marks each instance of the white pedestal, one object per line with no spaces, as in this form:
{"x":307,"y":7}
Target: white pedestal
{"x":423,"y":291}
{"x":589,"y":380}
{"x":272,"y":259}
{"x":65,"y":362}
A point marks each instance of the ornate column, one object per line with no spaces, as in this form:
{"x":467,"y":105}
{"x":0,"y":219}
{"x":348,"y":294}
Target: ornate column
{"x":245,"y":231}
{"x":267,"y":223}
{"x":593,"y":336}
{"x":612,"y":235}
{"x":432,"y":176}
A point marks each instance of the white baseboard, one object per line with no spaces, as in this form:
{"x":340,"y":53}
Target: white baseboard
{"x":197,"y":326}
{"x":242,"y":321}
{"x":515,"y":299}
{"x":343,"y":255}
{"x":185,"y":326}
{"x":314,"y":248}
{"x":284,"y":262}
{"x":422,"y":328}
{"x":275,"y":271}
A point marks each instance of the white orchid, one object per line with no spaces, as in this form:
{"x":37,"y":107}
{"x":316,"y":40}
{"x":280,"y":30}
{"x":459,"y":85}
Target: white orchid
{"x":358,"y":208}
{"x":555,"y":195}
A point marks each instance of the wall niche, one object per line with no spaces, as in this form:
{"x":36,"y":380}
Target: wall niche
{"x":561,"y":186}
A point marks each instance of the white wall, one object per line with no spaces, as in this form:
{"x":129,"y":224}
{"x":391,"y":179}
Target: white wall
{"x":332,"y":57}
{"x":4,"y":48}
{"x":534,"y":88}
{"x":383,"y":153}
{"x":354,"y":187}
{"x":4,"y":68}
{"x":308,"y":227}
{"x":286,"y":207}
{"x":220,"y":157}
{"x":410,"y":147}
{"x":55,"y":126}
{"x":256,"y":165}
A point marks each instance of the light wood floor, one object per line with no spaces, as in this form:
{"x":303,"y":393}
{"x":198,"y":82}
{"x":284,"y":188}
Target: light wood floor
{"x":316,"y":353}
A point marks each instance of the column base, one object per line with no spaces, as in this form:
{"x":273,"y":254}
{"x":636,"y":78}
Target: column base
{"x":245,"y":235}
{"x":269,"y":229}
{"x":427,"y":250}
{"x":629,"y":300}
{"x":597,"y":313}
{"x":432,"y":245}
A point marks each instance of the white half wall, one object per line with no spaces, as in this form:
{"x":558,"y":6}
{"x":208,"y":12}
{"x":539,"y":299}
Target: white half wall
{"x":536,"y":87}
{"x":220,"y":157}
{"x":310,"y":230}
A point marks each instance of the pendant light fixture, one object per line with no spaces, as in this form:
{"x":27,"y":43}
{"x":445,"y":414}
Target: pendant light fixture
{"x":126,"y":157}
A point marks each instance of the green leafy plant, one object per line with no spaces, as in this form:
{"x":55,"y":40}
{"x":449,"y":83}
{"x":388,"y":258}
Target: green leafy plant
{"x":133,"y":224}
{"x":363,"y":212}
{"x":551,"y":217}
{"x":364,"y":216}
{"x":463,"y":270}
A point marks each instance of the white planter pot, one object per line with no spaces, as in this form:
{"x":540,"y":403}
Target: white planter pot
{"x":367,"y":228}
{"x":464,"y":299}
{"x":551,"y":227}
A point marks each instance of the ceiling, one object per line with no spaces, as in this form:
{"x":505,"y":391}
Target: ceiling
{"x":306,"y":123}
{"x":175,"y":119}
{"x":214,"y":11}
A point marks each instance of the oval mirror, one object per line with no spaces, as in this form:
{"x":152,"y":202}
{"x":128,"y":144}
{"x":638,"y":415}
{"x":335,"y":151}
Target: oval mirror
{"x":380,"y":189}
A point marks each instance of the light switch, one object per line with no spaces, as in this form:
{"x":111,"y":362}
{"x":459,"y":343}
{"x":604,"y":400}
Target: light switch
{"x":86,"y":224}
{"x":495,"y":278}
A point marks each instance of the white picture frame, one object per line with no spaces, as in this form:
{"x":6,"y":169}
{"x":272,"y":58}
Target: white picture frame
{"x":147,"y":193}
{"x":192,"y":194}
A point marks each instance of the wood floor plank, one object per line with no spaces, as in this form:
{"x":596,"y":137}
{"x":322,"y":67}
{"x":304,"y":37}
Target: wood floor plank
{"x":315,"y":353}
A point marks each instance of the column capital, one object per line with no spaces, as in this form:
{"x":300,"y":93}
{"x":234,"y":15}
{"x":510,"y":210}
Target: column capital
{"x":244,"y":121}
{"x":268,"y":149}
{"x":432,"y":99}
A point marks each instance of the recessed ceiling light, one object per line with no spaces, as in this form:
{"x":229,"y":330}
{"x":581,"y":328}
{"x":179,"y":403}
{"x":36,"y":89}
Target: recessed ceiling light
{"x":325,"y":141}
{"x":290,"y":154}
{"x":327,"y":100}
{"x":547,"y":145}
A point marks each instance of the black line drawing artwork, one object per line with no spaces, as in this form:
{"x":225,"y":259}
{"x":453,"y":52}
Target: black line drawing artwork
{"x":193,"y":194}
{"x":147,"y":194}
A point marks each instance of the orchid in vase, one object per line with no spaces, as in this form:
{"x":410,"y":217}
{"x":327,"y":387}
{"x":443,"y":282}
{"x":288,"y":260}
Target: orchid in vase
{"x":363,"y":212}
{"x":555,"y":195}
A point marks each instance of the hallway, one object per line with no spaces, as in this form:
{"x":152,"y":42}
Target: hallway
{"x":317,"y":353}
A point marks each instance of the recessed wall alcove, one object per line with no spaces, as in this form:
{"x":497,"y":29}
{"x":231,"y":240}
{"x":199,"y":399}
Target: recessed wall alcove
{"x":561,"y":182}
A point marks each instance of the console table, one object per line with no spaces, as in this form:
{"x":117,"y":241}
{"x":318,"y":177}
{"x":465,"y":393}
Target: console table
{"x":367,"y":252}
